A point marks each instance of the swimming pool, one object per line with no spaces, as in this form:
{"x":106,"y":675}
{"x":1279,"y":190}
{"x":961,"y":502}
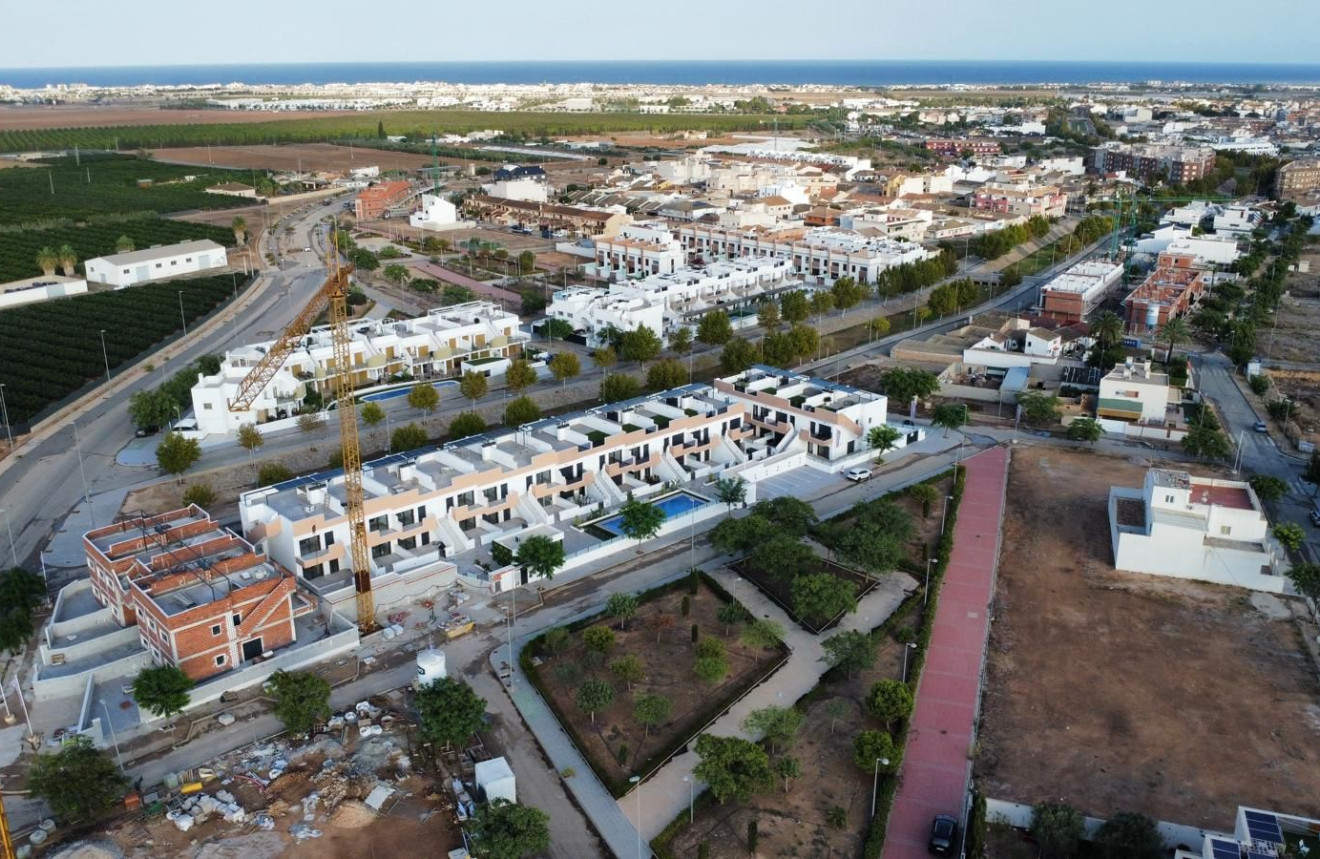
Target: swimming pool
{"x":395,"y":393}
{"x":674,"y":505}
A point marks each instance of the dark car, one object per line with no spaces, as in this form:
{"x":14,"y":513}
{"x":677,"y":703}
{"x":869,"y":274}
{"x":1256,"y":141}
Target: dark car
{"x":143,"y":432}
{"x":943,"y":835}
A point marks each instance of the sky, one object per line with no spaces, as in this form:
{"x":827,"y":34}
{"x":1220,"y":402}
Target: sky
{"x":170,"y":32}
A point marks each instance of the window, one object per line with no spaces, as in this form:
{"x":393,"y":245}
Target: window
{"x":238,"y":619}
{"x":220,"y":660}
{"x":381,"y":549}
{"x":215,"y":630}
{"x":1168,"y":499}
{"x":408,"y":543}
{"x":334,"y":565}
{"x":1225,"y":530}
{"x":329,"y":538}
{"x":465,"y":499}
{"x":206,"y":406}
{"x":407,"y":518}
{"x":379,"y":523}
{"x":491,"y":494}
{"x":313,"y":572}
{"x":421,"y":513}
{"x":309,"y":546}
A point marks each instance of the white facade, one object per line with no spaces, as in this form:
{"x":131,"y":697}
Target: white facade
{"x":592,"y":311}
{"x":639,"y":250}
{"x":1238,"y":220}
{"x":436,"y":213}
{"x":495,"y":780}
{"x":1194,"y":528}
{"x":821,"y":255}
{"x":161,"y":263}
{"x":41,"y":288}
{"x":431,"y":346}
{"x":526,"y":190}
{"x":1134,"y":392}
{"x":1208,"y":250}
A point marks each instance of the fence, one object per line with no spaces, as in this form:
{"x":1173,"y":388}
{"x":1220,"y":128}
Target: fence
{"x":1019,"y":815}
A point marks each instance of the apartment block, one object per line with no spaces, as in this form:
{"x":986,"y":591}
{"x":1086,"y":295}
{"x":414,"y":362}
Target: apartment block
{"x":372,"y":203}
{"x":1297,"y":178}
{"x":954,"y":148}
{"x":819,"y":254}
{"x":639,"y":250}
{"x":1176,"y":164}
{"x":1075,"y":293}
{"x":1133,"y":392}
{"x":547,"y":216}
{"x":1046,"y":200}
{"x":435,"y":346}
{"x":1172,"y":289}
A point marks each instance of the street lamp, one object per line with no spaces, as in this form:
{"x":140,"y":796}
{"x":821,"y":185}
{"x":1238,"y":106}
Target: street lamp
{"x":925,"y":593}
{"x":945,"y":512}
{"x":911,"y":645}
{"x":4,"y":412}
{"x":692,"y":787}
{"x":182,"y":318}
{"x":637,"y":788}
{"x":875,"y":781}
{"x":105,"y":355}
{"x":13,"y":552}
{"x":111,"y":723}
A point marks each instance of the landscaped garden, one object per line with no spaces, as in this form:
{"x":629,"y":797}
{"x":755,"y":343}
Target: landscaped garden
{"x":632,"y":684}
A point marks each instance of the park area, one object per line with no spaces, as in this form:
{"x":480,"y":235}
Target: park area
{"x":621,"y":737}
{"x":1121,"y":692}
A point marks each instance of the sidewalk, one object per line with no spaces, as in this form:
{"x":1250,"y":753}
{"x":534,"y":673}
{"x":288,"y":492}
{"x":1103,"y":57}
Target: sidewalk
{"x":937,"y":764}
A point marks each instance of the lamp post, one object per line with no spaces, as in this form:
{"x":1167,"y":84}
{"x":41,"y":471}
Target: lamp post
{"x":182,"y":318}
{"x":911,"y":645}
{"x":77,"y":445}
{"x":105,"y":355}
{"x":1237,"y":458}
{"x":875,"y":781}
{"x":925,"y":593}
{"x":13,"y":552}
{"x":692,"y":787}
{"x":637,"y":788}
{"x":944,"y":513}
{"x":111,"y":723}
{"x":4,"y":412}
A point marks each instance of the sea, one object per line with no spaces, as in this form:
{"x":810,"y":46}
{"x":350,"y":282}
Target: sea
{"x":862,"y":73}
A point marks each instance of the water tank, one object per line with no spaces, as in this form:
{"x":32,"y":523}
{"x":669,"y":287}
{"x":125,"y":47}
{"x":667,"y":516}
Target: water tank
{"x":1152,"y":316}
{"x":430,"y":668}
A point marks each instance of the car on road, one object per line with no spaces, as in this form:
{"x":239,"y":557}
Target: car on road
{"x":1261,"y":426}
{"x":943,"y":835}
{"x":857,"y":475}
{"x":143,"y":432}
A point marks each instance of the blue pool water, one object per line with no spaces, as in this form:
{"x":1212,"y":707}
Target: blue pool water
{"x":402,"y":392}
{"x":673,"y":505}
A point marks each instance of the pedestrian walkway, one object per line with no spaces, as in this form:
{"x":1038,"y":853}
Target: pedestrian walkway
{"x":937,"y":765}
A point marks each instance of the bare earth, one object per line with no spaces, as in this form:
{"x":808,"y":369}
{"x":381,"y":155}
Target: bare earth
{"x":82,"y":116}
{"x":1120,"y":692}
{"x":311,"y":157}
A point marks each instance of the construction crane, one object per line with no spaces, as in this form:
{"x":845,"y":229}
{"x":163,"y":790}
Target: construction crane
{"x":333,"y":295}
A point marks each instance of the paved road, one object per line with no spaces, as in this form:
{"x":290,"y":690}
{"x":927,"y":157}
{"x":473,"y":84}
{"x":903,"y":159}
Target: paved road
{"x":937,"y":763}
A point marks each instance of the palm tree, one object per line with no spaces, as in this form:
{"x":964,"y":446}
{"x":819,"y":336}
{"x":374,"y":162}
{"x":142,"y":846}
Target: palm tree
{"x":1107,"y":329}
{"x":1173,"y":332}
{"x":239,"y":226}
{"x":124,"y":244}
{"x":68,"y":259}
{"x":47,"y":259}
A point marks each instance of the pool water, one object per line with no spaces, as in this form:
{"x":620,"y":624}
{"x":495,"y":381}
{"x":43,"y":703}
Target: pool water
{"x":380,"y":396}
{"x":674,"y":505}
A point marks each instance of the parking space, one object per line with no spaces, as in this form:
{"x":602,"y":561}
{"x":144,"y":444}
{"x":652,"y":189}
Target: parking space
{"x":805,"y":483}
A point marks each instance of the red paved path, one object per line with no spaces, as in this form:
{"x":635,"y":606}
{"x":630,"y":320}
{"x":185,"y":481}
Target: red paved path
{"x":936,"y":766}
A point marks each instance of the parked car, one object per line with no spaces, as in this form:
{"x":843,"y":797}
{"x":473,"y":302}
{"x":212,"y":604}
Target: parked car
{"x":1315,"y":514}
{"x":943,"y":835}
{"x":857,"y":475}
{"x":143,"y":432}
{"x":1261,"y":426}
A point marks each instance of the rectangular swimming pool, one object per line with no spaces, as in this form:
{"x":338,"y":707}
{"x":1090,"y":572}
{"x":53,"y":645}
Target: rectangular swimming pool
{"x":674,"y":505}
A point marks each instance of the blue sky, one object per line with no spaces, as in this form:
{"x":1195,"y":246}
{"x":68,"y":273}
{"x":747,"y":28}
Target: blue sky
{"x":170,"y":32}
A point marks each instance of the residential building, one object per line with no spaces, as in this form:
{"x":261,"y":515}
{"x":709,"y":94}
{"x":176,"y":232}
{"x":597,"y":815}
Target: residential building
{"x":1074,"y":294}
{"x":434,"y":346}
{"x":1135,"y":393}
{"x":1237,"y":220}
{"x":1017,"y":343}
{"x":41,"y":288}
{"x":1297,"y":178}
{"x":1172,"y":289}
{"x":374,"y":202}
{"x":910,"y":224}
{"x":639,"y":250}
{"x":955,"y":148}
{"x":159,"y":263}
{"x":233,"y":189}
{"x":1193,"y":527}
{"x":819,"y":254}
{"x":548,"y":217}
{"x":1175,"y":164}
{"x":514,"y":172}
{"x":1045,"y":200}
{"x":1257,"y":834}
{"x":1208,"y":249}
{"x":907,"y":184}
{"x":527,"y":190}
{"x":436,"y":213}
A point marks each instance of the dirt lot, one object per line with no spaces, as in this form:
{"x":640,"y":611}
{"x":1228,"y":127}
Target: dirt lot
{"x":312,"y":156}
{"x":1293,"y":337}
{"x":1120,"y":692}
{"x":668,"y":659}
{"x":82,"y":116}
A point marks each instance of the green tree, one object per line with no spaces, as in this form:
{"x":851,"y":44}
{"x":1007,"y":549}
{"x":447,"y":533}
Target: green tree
{"x":1128,"y":835}
{"x":850,"y":651}
{"x":889,"y":701}
{"x":372,"y":414}
{"x":520,"y":375}
{"x":736,"y":536}
{"x":847,"y":293}
{"x":1290,"y":535}
{"x":302,"y":699}
{"x":605,"y":357}
{"x":540,"y":556}
{"x":926,"y":494}
{"x":803,"y":340}
{"x":556,"y":329}
{"x":714,"y":328}
{"x":162,"y":690}
{"x":731,"y":491}
{"x":598,"y":639}
{"x":630,"y":669}
{"x":408,"y":437}
{"x":640,"y":345}
{"x":640,"y":521}
{"x":1057,"y":828}
{"x":124,"y":245}
{"x":48,"y":260}
{"x":250,"y":438}
{"x":1107,"y":329}
{"x":733,"y":768}
{"x":1306,"y":579}
{"x":556,"y":640}
{"x":1174,"y":332}
{"x":1268,"y":487}
{"x":20,"y":593}
{"x":681,"y":340}
{"x":176,"y":454}
{"x":521,"y":410}
{"x":650,"y":711}
{"x":821,"y":303}
{"x":711,"y":669}
{"x":783,"y":556}
{"x":665,"y":374}
{"x":526,"y":262}
{"x":239,"y":226}
{"x":761,"y":634}
{"x":473,"y":385}
{"x":883,"y":438}
{"x":466,"y":424}
{"x":622,"y":606}
{"x":619,"y":387}
{"x":794,"y":306}
{"x":208,"y":365}
{"x":949,"y":415}
{"x":565,"y":366}
{"x":78,"y":781}
{"x":424,"y":397}
{"x":594,"y":695}
{"x":272,"y":473}
{"x":509,"y":830}
{"x":879,"y":326}
{"x":396,"y":274}
{"x":737,"y":355}
{"x":151,"y":408}
{"x":818,"y":597}
{"x":788,"y":768}
{"x":1038,"y":407}
{"x":450,"y":711}
{"x":1085,"y":429}
{"x":870,"y":546}
{"x":730,"y":613}
{"x":778,"y":725}
{"x":1205,"y":441}
{"x":902,"y":384}
{"x":872,"y":747}
{"x":200,"y":494}
{"x":768,"y":316}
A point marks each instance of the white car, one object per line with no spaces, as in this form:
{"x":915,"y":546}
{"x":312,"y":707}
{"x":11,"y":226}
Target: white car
{"x":857,"y":475}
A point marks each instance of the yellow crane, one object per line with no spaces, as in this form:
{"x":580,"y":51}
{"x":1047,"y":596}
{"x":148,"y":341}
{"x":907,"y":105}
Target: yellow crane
{"x":333,"y":294}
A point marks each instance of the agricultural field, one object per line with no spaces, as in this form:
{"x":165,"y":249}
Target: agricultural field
{"x":51,"y":349}
{"x":659,"y":637}
{"x":18,"y":250}
{"x":107,"y":184}
{"x":413,"y":124}
{"x":309,"y":156}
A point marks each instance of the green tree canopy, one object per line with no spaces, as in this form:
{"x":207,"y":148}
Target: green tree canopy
{"x":473,"y":385}
{"x":593,"y":696}
{"x":794,"y":306}
{"x":1129,"y":835}
{"x":714,"y":328}
{"x":151,"y":408}
{"x":733,"y":768}
{"x":509,"y":830}
{"x":639,"y":520}
{"x":737,"y":355}
{"x":681,"y":339}
{"x":629,"y":669}
{"x":949,"y":415}
{"x":731,"y":491}
{"x":883,"y":438}
{"x":1268,"y":487}
{"x":889,"y":701}
{"x":1085,"y":429}
{"x":761,"y":634}
{"x":78,"y":781}
{"x":778,"y":725}
{"x":640,"y":345}
{"x":521,"y":410}
{"x":622,"y":606}
{"x":651,"y":710}
{"x":302,"y":699}
{"x":768,"y":316}
{"x":372,"y":414}
{"x":162,"y":690}
{"x":451,"y":711}
{"x":465,"y":424}
{"x":901,"y":384}
{"x":1057,"y":828}
{"x":1038,"y":407}
{"x":618,"y":387}
{"x":176,"y":454}
{"x":520,"y":375}
{"x":424,"y":397}
{"x":408,"y":437}
{"x":565,"y":366}
{"x":850,"y":651}
{"x":20,"y":593}
{"x":540,"y":555}
{"x":871,"y":750}
{"x":818,"y":597}
{"x":665,"y":374}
